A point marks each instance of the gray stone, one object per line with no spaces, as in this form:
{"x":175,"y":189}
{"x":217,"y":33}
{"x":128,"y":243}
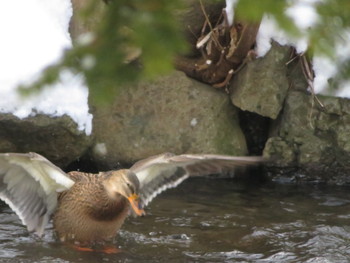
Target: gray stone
{"x":317,"y":137}
{"x":343,"y":133}
{"x":278,"y":149}
{"x":172,"y":114}
{"x":57,"y":138}
{"x":262,"y":85}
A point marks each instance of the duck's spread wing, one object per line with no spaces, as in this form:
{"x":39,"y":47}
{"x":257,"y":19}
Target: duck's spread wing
{"x":164,"y":171}
{"x":29,"y":184}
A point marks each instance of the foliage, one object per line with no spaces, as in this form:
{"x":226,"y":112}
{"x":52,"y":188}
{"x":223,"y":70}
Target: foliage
{"x":123,"y":27}
{"x":152,"y":27}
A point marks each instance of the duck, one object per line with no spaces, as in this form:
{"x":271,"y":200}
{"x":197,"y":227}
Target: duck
{"x":90,"y":208}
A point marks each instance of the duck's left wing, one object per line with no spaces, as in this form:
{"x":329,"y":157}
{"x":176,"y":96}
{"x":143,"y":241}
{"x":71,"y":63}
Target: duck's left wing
{"x":29,"y":184}
{"x":167,"y":170}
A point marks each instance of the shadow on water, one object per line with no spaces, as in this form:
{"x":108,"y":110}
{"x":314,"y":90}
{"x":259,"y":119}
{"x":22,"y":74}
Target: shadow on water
{"x":206,"y":220}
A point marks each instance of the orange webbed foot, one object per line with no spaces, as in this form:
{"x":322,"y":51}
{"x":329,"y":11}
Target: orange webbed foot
{"x":106,"y":249}
{"x":110,"y":250}
{"x":85,"y":249}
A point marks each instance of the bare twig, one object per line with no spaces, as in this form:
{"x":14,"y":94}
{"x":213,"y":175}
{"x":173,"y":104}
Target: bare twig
{"x":209,"y":24}
{"x":309,"y":75}
{"x":203,"y":40}
{"x":226,"y":80}
{"x":293,"y":57}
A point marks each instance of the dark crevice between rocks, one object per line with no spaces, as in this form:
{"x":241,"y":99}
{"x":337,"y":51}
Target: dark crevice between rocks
{"x":256,"y":130}
{"x":87,"y":164}
{"x":82,"y":164}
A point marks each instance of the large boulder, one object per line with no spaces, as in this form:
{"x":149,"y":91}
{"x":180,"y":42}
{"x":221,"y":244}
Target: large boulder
{"x":57,"y":138}
{"x":262,"y":85}
{"x":173,"y":113}
{"x":310,"y":141}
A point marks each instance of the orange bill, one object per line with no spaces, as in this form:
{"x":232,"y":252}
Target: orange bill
{"x":135,"y":204}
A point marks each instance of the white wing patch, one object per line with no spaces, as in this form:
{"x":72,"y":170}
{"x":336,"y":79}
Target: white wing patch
{"x":158,"y":178}
{"x":147,"y":199}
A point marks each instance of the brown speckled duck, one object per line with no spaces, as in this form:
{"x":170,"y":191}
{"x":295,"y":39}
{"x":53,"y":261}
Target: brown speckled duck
{"x":90,"y":208}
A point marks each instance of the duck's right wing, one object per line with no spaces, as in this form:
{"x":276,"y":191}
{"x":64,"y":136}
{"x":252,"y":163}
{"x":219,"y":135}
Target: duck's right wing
{"x":29,"y":184}
{"x":161,"y":172}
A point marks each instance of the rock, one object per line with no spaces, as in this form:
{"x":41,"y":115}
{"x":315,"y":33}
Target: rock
{"x":282,"y":153}
{"x":56,"y":138}
{"x":313,"y":140}
{"x":262,"y":85}
{"x":172,"y":114}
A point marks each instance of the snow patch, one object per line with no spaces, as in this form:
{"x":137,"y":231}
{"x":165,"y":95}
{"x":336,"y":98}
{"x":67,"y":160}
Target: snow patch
{"x":194,"y":122}
{"x":269,"y":30}
{"x":34,"y":35}
{"x":100,"y":149}
{"x":229,"y":9}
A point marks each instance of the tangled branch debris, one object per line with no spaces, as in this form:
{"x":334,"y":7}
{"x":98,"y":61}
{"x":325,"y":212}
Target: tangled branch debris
{"x":224,"y":51}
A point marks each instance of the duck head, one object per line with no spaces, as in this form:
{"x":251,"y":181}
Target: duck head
{"x":124,"y":182}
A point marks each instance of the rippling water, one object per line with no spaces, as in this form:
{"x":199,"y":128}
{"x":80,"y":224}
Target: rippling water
{"x":207,"y":220}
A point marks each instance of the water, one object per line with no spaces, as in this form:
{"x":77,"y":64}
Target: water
{"x":206,"y":220}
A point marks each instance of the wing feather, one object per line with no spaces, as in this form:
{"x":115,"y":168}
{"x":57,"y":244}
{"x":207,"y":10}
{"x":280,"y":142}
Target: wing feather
{"x":164,"y":171}
{"x":158,"y":178}
{"x":29,"y":184}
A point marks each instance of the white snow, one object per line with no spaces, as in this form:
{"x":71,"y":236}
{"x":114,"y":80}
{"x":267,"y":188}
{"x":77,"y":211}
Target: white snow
{"x":325,"y":68}
{"x":100,"y":149}
{"x":194,"y":122}
{"x":34,"y":34}
{"x":269,"y":30}
{"x":229,"y":10}
{"x":304,"y":15}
